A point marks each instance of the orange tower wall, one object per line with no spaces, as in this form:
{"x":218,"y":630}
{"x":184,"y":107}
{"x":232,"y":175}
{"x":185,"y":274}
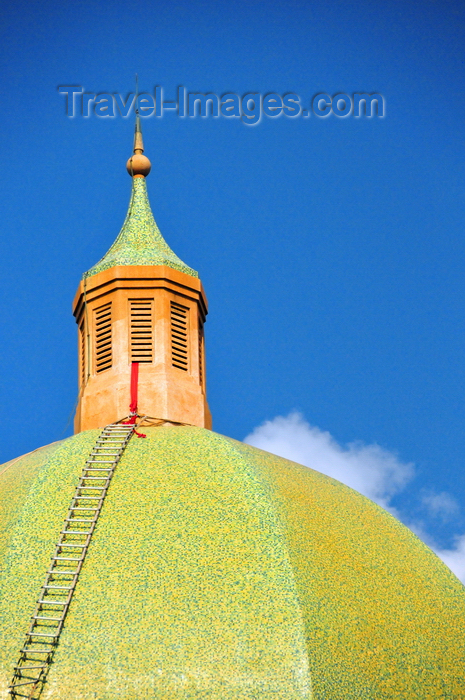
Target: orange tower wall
{"x":107,"y":342}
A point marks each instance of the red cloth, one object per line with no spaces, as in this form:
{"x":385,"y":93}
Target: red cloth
{"x":133,"y":404}
{"x":134,"y":383}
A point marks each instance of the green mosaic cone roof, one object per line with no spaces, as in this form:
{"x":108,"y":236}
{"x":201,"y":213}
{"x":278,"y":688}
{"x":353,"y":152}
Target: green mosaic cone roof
{"x":140,"y":241}
{"x":218,"y":571}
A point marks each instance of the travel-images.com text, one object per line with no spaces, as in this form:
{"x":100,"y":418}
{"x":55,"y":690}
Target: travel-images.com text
{"x":250,"y":107}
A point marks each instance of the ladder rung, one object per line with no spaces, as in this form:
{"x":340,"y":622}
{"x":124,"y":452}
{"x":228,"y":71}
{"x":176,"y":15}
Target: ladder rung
{"x":52,"y":619}
{"x":106,"y":442}
{"x":90,"y":488}
{"x":112,"y":431}
{"x":96,"y":469}
{"x":40,"y":634}
{"x":16,"y":685}
{"x":94,"y":478}
{"x":83,"y":477}
{"x":64,"y":573}
{"x":60,"y":588}
{"x":97,"y":477}
{"x":36,"y":651}
{"x":102,"y":461}
{"x":66,"y":559}
{"x":47,"y":595}
{"x":120,"y":434}
{"x":79,"y":520}
{"x":113,"y":446}
{"x":100,"y":469}
{"x":84,"y":508}
{"x":87,"y":498}
{"x":29,"y":668}
{"x":71,"y":544}
{"x":76,"y":532}
{"x":52,"y":602}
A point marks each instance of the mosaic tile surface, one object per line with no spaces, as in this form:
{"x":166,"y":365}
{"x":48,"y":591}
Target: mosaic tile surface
{"x":140,"y":241}
{"x":220,"y":571}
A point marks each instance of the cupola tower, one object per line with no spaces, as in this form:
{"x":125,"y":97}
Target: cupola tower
{"x":141,"y":303}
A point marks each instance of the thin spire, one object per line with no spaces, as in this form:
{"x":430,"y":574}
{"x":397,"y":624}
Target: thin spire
{"x":138,"y":165}
{"x":138,"y":142}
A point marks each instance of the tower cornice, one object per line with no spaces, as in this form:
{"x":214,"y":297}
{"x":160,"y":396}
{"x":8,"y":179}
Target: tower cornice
{"x":138,"y":277}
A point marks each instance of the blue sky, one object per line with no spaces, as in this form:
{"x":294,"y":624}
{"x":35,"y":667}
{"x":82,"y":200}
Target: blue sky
{"x":332,"y":249}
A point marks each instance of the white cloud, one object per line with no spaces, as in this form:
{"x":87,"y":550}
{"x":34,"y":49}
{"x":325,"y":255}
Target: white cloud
{"x":454,"y":558}
{"x":369,"y":469}
{"x":441,"y":505}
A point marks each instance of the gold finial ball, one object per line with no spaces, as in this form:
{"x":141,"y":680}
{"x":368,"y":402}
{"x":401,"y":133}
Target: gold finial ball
{"x":138,"y":164}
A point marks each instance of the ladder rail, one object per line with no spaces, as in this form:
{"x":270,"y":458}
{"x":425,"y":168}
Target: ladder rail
{"x":46,"y":623}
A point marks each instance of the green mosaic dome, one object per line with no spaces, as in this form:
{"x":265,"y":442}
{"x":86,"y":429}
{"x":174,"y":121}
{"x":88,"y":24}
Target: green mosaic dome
{"x":140,"y":241}
{"x":218,"y":571}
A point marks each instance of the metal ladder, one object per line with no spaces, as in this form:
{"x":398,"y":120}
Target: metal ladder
{"x":56,"y":594}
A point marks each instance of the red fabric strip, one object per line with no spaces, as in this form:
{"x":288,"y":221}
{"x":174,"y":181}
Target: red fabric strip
{"x":133,"y":404}
{"x":134,"y":383}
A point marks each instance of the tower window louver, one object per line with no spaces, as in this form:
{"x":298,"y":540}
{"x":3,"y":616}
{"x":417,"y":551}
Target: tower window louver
{"x":103,"y":349}
{"x":179,"y":335}
{"x":141,"y":324}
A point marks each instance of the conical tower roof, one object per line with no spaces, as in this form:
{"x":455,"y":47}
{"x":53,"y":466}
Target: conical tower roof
{"x":140,"y":241}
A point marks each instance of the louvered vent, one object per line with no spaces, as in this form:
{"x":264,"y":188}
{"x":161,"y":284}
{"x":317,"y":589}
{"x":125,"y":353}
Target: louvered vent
{"x":83,"y":354}
{"x":179,"y":332}
{"x":201,"y":352}
{"x":103,"y":353}
{"x":141,"y":330}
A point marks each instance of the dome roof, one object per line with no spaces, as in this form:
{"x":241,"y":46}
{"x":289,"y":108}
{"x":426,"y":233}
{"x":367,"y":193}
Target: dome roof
{"x":220,"y":571}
